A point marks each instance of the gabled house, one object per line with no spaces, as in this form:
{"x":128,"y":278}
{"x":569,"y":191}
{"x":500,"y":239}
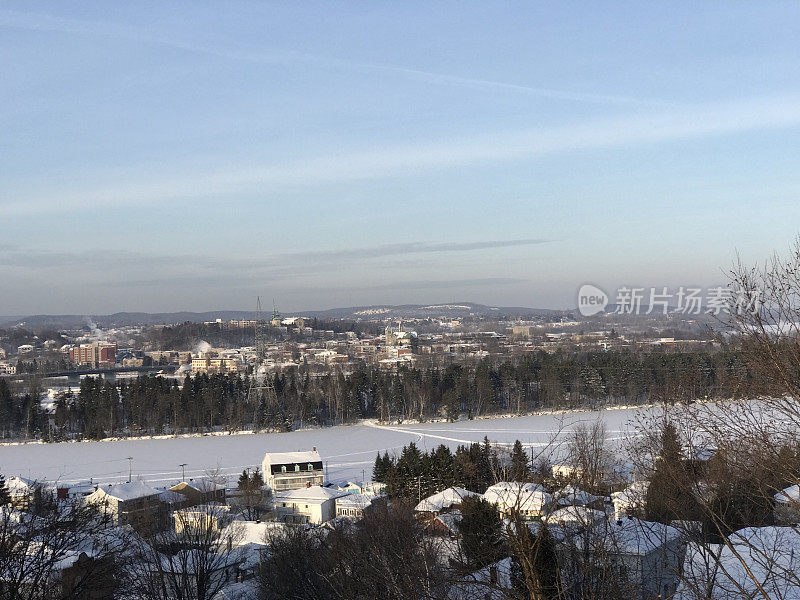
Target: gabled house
{"x":200,"y":491}
{"x":353,"y":505}
{"x":135,"y":504}
{"x":528,"y":500}
{"x":292,"y":470}
{"x":312,"y":504}
{"x":21,"y":491}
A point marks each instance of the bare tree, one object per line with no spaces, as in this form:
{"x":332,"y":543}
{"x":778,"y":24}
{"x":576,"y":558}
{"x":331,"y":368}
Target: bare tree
{"x":590,"y":457}
{"x":192,"y":560}
{"x":55,"y":550}
{"x":385,"y":555}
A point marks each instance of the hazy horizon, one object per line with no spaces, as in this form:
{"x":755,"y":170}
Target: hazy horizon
{"x":192,"y":156}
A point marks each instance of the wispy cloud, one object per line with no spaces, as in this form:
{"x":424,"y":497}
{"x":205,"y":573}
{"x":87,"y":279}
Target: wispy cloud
{"x":44,"y":22}
{"x":376,"y":163}
{"x":407,"y":248}
{"x":139,"y":269}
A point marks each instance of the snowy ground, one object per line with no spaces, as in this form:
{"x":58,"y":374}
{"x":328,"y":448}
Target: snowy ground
{"x":346,"y":450}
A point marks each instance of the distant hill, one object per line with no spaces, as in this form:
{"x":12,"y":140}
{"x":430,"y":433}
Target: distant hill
{"x":363,"y":313}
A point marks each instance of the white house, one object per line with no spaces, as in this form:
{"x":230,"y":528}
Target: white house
{"x":526,"y":499}
{"x":631,"y":500}
{"x":314,"y":504}
{"x":292,"y":470}
{"x":21,"y":490}
{"x":353,"y":505}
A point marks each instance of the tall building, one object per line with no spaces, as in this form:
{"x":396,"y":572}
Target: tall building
{"x":96,"y":354}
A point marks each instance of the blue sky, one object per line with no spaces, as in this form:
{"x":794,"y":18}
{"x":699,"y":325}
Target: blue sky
{"x":172,"y":156}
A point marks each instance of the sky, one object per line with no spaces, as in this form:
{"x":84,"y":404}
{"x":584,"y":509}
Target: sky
{"x":174,"y":156}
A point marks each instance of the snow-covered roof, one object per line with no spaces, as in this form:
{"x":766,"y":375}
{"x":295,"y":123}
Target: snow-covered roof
{"x":451,"y":519}
{"x":170,"y":497}
{"x":635,"y":536}
{"x":479,"y":584}
{"x":570,"y":495}
{"x":314,"y":493}
{"x":790,"y":495}
{"x":250,"y":532}
{"x":204,"y":484}
{"x":574,"y":514}
{"x":760,"y":561}
{"x":520,"y":496}
{"x":634,"y":494}
{"x":289,"y":458}
{"x":355,"y":500}
{"x":19,"y":486}
{"x":242,"y":590}
{"x":444,"y":499}
{"x":127,"y":491}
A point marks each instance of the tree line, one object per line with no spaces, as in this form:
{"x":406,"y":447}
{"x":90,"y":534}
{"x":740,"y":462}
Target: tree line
{"x":296,"y":397}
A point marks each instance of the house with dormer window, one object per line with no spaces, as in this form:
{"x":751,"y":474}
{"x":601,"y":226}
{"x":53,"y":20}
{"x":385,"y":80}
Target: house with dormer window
{"x":292,"y":470}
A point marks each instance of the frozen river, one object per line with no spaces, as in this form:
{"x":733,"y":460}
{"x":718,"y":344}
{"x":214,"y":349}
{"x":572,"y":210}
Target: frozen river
{"x":346,"y":450}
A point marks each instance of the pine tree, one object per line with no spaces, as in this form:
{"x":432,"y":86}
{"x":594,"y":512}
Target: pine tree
{"x":256,"y":480}
{"x":545,"y":563}
{"x":244,"y":481}
{"x":669,"y":495}
{"x":520,"y":471}
{"x":5,"y":496}
{"x":481,"y":533}
{"x":378,"y":474}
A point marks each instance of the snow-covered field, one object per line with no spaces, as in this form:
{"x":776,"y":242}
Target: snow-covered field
{"x":346,"y":450}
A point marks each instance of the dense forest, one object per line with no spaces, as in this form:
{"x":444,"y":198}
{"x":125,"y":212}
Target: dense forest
{"x":296,"y":398}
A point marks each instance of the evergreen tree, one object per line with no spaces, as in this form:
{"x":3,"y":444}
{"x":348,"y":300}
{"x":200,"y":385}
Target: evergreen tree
{"x":5,"y":496}
{"x":379,"y":469}
{"x":545,"y":563}
{"x":520,"y":471}
{"x":481,"y":533}
{"x":669,"y":495}
{"x":256,"y":480}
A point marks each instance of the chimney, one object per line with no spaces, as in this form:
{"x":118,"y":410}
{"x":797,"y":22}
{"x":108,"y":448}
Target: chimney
{"x":308,"y":484}
{"x":314,"y":448}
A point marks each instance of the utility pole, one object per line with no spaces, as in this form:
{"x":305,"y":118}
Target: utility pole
{"x":362,"y":481}
{"x":130,"y":468}
{"x":183,"y":471}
